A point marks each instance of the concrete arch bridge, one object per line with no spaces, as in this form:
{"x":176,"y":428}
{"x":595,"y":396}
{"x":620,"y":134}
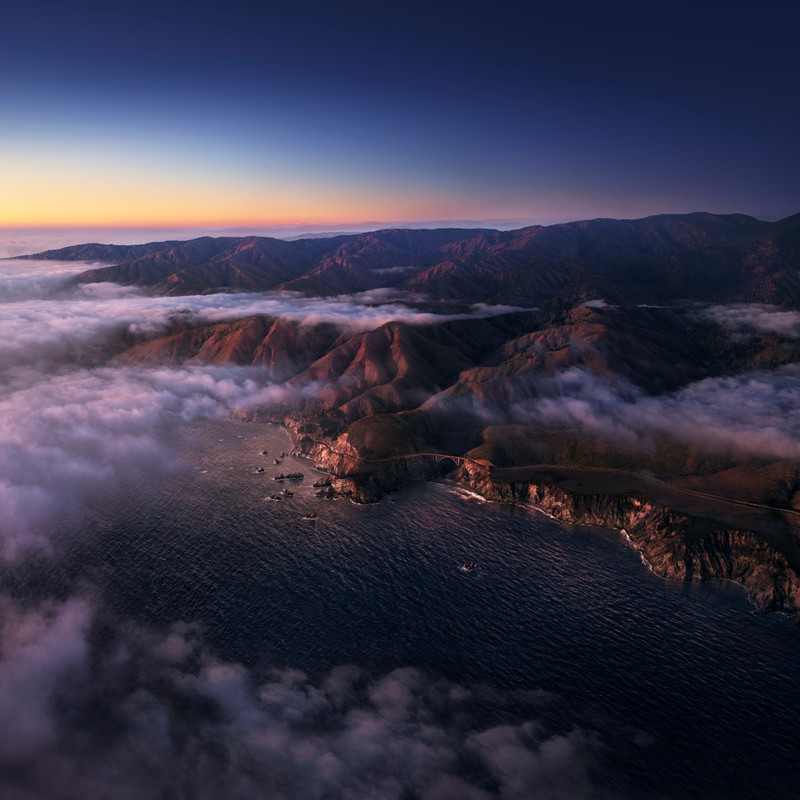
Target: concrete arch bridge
{"x":437,"y":457}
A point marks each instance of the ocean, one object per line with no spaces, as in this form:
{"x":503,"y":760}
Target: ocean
{"x":680,"y":690}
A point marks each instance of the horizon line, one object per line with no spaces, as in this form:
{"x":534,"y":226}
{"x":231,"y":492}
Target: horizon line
{"x":366,"y":225}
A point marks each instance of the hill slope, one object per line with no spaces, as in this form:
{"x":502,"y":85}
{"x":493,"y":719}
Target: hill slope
{"x":652,"y":260}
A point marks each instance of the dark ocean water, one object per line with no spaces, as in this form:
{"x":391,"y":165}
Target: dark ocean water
{"x":689,"y":692}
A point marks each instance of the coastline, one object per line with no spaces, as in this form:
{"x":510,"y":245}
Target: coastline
{"x":671,"y":543}
{"x":638,"y":550}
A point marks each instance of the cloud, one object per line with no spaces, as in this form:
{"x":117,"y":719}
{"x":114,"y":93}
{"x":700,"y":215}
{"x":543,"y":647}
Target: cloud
{"x":751,"y":414}
{"x":39,"y":324}
{"x":68,"y":437}
{"x":24,"y":280}
{"x":489,"y":310}
{"x":528,"y":762}
{"x":136,"y":713}
{"x":748,"y":317}
{"x":383,"y":294}
{"x":395,"y":270}
{"x":40,"y":649}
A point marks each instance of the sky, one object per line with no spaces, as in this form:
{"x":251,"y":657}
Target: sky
{"x":241,"y":114}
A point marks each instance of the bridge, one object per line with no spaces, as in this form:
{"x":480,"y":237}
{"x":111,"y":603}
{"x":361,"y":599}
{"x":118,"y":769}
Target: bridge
{"x":458,"y":460}
{"x":490,"y":467}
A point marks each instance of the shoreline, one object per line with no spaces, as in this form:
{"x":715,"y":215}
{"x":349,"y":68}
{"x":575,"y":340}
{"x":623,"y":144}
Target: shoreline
{"x":666,"y":540}
{"x":623,"y":533}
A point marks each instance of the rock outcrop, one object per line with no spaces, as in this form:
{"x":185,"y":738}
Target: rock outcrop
{"x":674,"y":545}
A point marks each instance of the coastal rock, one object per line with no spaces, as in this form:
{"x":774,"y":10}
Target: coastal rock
{"x":674,"y":545}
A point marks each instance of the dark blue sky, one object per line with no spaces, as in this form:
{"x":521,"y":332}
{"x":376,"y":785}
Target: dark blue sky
{"x":244,"y":113}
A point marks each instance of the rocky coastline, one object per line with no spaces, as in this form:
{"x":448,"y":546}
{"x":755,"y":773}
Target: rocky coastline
{"x":674,"y":545}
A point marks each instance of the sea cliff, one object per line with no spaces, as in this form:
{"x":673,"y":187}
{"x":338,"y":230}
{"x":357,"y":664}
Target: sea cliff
{"x":674,"y":545}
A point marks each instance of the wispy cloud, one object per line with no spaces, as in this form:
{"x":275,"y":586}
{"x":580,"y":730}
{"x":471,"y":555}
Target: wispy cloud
{"x":396,"y":270}
{"x":750,"y":317}
{"x":39,"y":322}
{"x":752,"y":414}
{"x":26,"y":280}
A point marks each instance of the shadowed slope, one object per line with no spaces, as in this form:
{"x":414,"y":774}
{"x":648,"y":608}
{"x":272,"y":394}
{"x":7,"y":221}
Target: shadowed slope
{"x":656,"y":259}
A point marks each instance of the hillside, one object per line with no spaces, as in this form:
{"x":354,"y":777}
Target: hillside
{"x":719,"y":258}
{"x":645,"y":385}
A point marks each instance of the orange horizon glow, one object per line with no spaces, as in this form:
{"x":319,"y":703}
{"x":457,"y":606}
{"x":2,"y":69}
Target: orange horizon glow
{"x":204,"y":213}
{"x":75,"y":185}
{"x":316,"y":215}
{"x":155,"y":210}
{"x":72,"y":188}
{"x":195,"y":213}
{"x":85,"y":180}
{"x":69,"y":192}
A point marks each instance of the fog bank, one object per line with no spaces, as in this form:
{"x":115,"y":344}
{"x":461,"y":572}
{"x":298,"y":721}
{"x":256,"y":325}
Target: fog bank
{"x":178,"y":721}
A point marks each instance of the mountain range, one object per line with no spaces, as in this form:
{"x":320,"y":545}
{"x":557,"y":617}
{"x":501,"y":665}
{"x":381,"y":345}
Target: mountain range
{"x":716,"y":258}
{"x":621,"y":347}
{"x":622,"y":301}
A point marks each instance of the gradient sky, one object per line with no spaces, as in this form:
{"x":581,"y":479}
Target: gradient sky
{"x":237,"y":113}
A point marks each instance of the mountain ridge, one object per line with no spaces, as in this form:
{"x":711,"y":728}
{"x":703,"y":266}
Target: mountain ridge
{"x":622,"y":317}
{"x":660,"y":258}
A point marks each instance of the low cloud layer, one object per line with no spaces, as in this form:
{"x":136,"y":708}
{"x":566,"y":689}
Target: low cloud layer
{"x":758,"y":317}
{"x":754,"y":414}
{"x":135,"y":714}
{"x":39,"y":323}
{"x":69,"y":430}
{"x":67,"y":437}
{"x":27,"y":280}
